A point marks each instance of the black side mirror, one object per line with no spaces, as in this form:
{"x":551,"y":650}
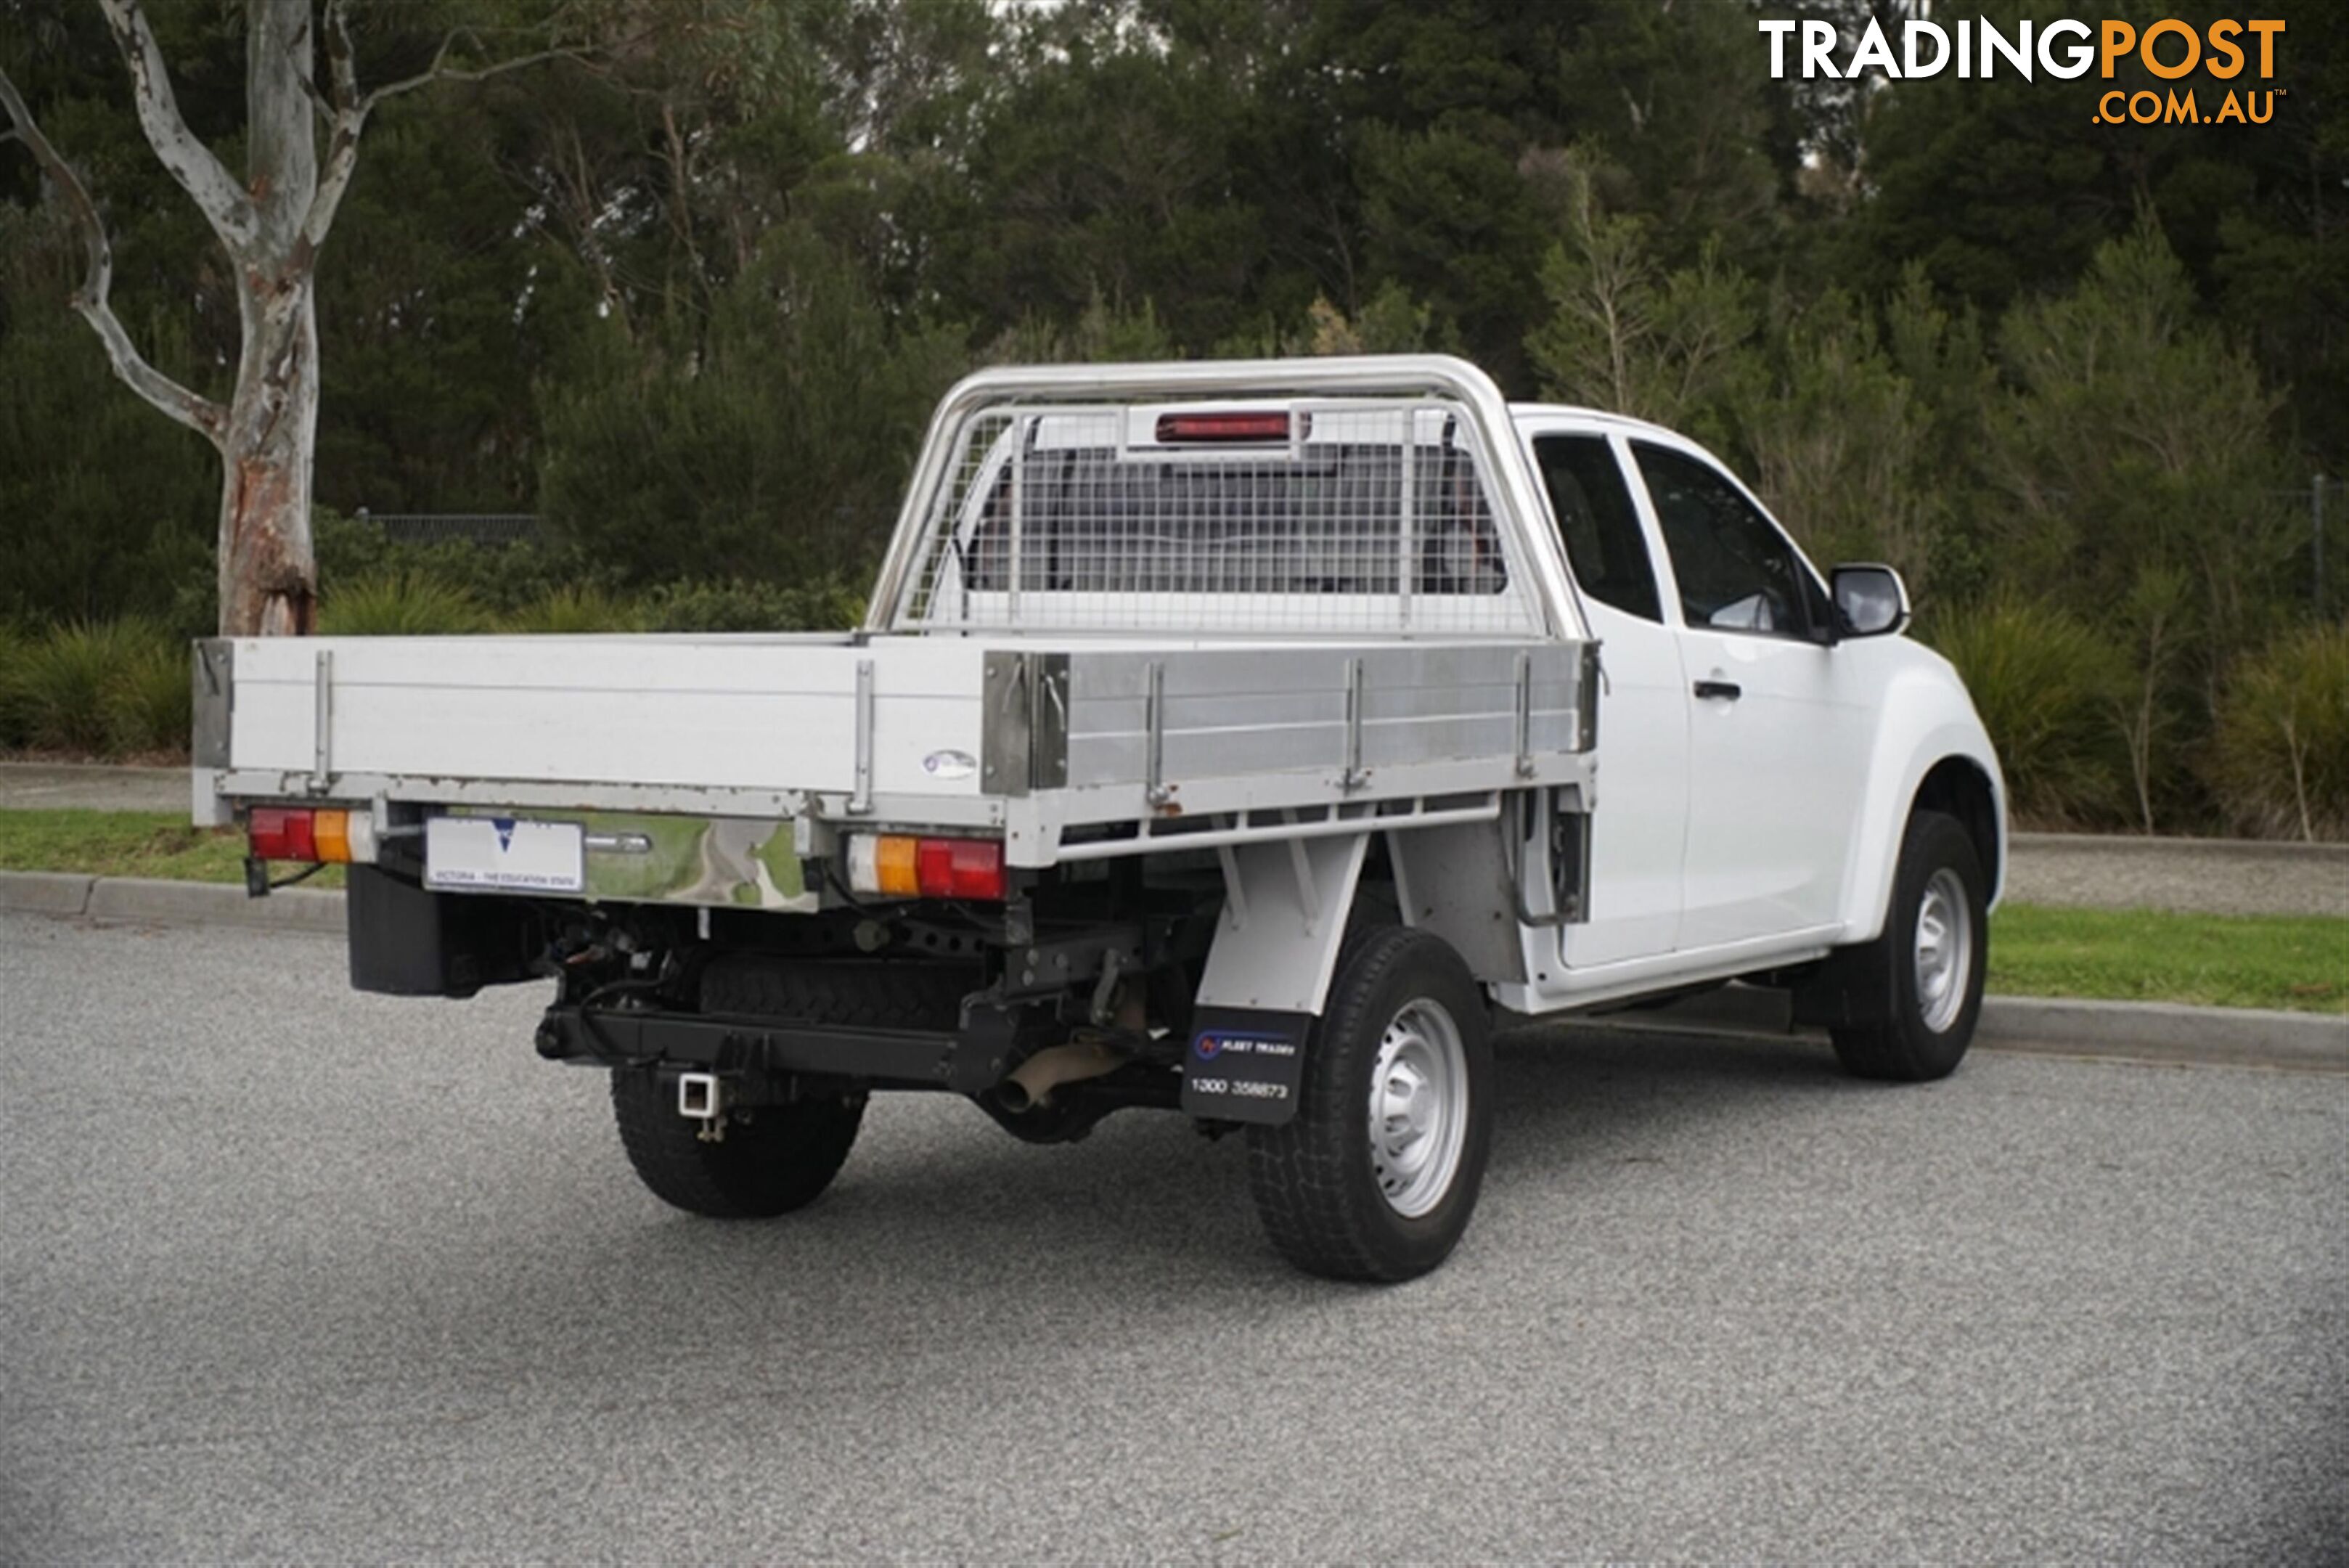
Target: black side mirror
{"x":1869,"y":601}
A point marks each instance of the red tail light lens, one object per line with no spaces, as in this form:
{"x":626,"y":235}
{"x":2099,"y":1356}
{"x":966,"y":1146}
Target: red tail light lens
{"x":275,"y":833}
{"x":960,"y":869}
{"x":1253,"y":425}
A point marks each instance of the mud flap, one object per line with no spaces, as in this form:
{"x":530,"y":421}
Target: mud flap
{"x":1275,"y":949}
{"x":1245,"y":1065}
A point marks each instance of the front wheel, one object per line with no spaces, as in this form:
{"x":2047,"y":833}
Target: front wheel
{"x":1930,"y":958}
{"x":1377,"y":1175}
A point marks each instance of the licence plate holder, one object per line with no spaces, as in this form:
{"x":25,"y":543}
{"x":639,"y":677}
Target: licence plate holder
{"x":504,"y":855}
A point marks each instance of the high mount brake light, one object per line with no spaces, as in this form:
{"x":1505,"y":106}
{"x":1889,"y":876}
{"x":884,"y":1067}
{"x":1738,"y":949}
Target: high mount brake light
{"x":1238,"y":425}
{"x":900,"y":867}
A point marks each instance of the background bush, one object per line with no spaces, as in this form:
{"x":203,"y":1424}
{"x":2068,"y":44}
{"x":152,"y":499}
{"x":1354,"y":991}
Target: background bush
{"x":102,"y":688}
{"x":575,"y":609}
{"x":2282,"y":764}
{"x":398,"y":604}
{"x":14,"y":645}
{"x":737,"y":606}
{"x":2045,"y":685}
{"x":148,"y":704}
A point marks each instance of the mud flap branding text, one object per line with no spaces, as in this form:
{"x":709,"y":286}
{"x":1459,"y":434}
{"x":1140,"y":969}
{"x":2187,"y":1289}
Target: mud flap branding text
{"x":1244,"y":1065}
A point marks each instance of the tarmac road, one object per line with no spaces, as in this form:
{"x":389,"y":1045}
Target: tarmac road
{"x":290,"y":1273}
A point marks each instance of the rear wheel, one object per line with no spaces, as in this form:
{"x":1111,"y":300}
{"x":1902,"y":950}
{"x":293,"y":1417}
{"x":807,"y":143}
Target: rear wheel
{"x":770,"y":1160}
{"x":1929,"y":961}
{"x":1377,"y":1175}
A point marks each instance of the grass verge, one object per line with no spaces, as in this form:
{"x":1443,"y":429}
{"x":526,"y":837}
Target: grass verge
{"x":2299,"y":962}
{"x":2115,"y":955}
{"x":131,"y":844}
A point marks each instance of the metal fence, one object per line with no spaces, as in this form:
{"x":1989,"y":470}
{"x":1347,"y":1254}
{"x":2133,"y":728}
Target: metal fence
{"x":434,"y":527}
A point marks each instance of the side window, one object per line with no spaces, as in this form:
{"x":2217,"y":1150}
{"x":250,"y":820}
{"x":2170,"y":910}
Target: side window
{"x":1736,"y":572}
{"x":1596,"y":519}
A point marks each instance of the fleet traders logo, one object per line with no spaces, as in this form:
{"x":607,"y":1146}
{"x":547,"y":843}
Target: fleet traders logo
{"x":1208,"y":1046}
{"x":2169,"y":50}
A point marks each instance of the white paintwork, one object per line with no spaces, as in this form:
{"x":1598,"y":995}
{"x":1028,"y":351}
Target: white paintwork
{"x":1639,"y":830}
{"x":1774,"y":779}
{"x":1796,"y":795}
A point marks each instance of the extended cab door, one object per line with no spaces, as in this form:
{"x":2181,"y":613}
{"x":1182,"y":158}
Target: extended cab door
{"x":1644,"y":719}
{"x":1779,"y":718}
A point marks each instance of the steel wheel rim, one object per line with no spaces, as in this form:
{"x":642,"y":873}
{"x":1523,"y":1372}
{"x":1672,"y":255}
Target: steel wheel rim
{"x":1418,"y":1107}
{"x":1945,"y":950}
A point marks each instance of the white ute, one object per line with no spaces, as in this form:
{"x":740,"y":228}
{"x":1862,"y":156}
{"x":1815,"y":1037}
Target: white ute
{"x":1236,"y":739}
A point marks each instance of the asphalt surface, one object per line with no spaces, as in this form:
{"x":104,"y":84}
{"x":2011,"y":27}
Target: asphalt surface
{"x":291,"y":1273}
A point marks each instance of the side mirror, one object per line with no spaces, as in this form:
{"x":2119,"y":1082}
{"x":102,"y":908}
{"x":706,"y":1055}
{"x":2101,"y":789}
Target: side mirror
{"x":1869,"y":601}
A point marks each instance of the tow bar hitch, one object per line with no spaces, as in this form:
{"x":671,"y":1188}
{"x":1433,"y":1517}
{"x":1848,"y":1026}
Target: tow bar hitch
{"x":701,"y":1097}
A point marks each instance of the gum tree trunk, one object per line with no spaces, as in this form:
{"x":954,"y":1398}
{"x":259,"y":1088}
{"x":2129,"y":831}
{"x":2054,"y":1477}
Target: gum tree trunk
{"x":268,"y":575}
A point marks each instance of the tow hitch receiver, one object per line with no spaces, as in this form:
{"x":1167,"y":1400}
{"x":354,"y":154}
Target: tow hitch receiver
{"x":700,"y":1098}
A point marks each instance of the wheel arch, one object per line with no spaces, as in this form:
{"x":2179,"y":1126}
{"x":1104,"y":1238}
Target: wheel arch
{"x":1930,"y":751}
{"x":1957,"y":786}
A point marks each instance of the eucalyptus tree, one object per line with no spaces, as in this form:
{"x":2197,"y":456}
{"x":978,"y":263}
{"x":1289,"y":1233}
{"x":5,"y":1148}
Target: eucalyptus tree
{"x":305,"y":115}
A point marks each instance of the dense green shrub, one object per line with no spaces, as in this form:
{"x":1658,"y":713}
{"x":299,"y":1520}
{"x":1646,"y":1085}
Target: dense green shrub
{"x":146,"y":707}
{"x":102,"y":688}
{"x":2282,"y":764}
{"x":824,"y":605}
{"x":577,"y":609}
{"x":398,"y":604}
{"x":2045,"y":686}
{"x":14,"y":647}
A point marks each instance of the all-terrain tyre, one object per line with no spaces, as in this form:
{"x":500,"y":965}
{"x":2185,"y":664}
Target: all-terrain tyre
{"x":1929,"y":961}
{"x":778,"y":1157}
{"x":1377,"y":1175}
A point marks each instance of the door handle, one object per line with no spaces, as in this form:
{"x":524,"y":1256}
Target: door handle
{"x":1729,"y":688}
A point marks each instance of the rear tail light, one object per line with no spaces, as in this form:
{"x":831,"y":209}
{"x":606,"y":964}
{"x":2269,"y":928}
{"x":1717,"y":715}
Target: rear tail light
{"x":273,"y":834}
{"x":309,"y":834}
{"x":900,"y":867}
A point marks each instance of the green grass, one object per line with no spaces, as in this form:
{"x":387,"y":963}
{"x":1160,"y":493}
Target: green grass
{"x":2145,"y":955}
{"x":131,"y":843}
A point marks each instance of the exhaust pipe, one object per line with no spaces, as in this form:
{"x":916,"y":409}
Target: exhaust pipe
{"x":1033,"y":1083}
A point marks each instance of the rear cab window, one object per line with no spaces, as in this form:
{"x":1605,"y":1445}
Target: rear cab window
{"x":1598,"y":522}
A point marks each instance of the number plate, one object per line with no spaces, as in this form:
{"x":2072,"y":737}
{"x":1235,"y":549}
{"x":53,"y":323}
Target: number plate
{"x":504,"y":854}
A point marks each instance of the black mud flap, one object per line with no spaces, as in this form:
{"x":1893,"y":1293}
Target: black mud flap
{"x":407,"y":940}
{"x":1244,"y":1065}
